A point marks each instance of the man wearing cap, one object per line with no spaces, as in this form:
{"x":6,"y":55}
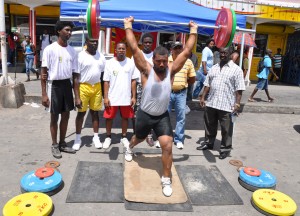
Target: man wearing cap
{"x":183,"y":78}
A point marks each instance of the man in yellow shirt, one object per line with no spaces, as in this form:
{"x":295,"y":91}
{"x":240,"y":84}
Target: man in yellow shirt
{"x":186,"y":76}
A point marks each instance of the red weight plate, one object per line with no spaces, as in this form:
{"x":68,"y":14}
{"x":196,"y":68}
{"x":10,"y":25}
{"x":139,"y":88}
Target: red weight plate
{"x":44,"y":172}
{"x":223,"y":33}
{"x":252,"y":171}
{"x":95,"y":13}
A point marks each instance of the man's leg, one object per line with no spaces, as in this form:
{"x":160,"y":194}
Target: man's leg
{"x":63,"y":126}
{"x":167,"y":157}
{"x":226,"y":132}
{"x":95,"y":121}
{"x":53,"y":130}
{"x":211,"y":128}
{"x":180,"y":103}
{"x":78,"y":124}
{"x":124,"y":126}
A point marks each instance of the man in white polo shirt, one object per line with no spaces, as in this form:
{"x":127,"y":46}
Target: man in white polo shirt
{"x":119,"y":92}
{"x":91,"y":63}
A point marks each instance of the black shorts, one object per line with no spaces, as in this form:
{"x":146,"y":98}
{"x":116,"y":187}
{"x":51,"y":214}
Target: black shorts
{"x":145,"y":122}
{"x":61,"y":97}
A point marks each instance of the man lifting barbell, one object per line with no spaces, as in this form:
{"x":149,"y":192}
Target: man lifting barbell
{"x":153,"y":112}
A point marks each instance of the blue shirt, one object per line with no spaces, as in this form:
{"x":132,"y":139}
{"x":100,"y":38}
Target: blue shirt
{"x":267,"y":65}
{"x":208,"y":57}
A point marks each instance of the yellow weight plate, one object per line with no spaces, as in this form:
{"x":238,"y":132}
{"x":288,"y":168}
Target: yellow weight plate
{"x":274,"y":202}
{"x":28,"y":204}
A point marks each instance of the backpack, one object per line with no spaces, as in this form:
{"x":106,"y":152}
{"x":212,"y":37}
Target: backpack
{"x":260,"y":65}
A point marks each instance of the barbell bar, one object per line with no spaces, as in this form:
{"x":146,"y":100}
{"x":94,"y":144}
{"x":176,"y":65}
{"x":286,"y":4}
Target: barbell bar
{"x":224,"y":28}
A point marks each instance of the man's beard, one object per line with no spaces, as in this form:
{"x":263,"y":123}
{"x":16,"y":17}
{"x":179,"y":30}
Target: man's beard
{"x":159,"y":69}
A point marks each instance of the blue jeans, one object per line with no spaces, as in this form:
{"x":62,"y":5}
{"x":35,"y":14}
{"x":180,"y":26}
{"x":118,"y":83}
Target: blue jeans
{"x":179,"y":102}
{"x":200,"y":77}
{"x":28,"y":63}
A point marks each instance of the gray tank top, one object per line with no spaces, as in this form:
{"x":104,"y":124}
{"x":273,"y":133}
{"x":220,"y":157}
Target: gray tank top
{"x":156,"y":95}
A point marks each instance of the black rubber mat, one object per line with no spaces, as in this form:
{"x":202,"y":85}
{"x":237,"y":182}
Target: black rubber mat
{"x":181,"y":207}
{"x":206,"y":186}
{"x":97,"y":182}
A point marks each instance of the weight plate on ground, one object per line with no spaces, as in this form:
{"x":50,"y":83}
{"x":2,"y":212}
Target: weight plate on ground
{"x":274,"y":202}
{"x":52,"y":164}
{"x":233,"y":28}
{"x":252,"y":188}
{"x":29,"y":204}
{"x":44,"y":172}
{"x":240,"y":168}
{"x":265,"y":180}
{"x":95,"y":24}
{"x":252,"y":171}
{"x":236,"y":163}
{"x":224,"y":22}
{"x":31,"y":183}
{"x":88,"y":18}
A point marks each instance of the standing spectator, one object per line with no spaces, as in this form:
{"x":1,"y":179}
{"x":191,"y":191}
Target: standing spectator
{"x":207,"y":62}
{"x":45,"y":41}
{"x":194,"y":59}
{"x":153,"y":113}
{"x":11,"y":50}
{"x":90,"y":66}
{"x":119,"y":92}
{"x":29,"y":52}
{"x":262,"y":83}
{"x":225,"y":84}
{"x":245,"y":64}
{"x":277,"y":64}
{"x":58,"y":66}
{"x":179,"y":92}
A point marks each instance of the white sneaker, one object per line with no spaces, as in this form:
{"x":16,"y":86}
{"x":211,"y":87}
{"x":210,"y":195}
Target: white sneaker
{"x":124,"y":141}
{"x":77,"y":144}
{"x":106,"y":143}
{"x":128,"y":154}
{"x":97,"y":142}
{"x":166,"y":186}
{"x":157,"y":144}
{"x":179,"y":145}
{"x":150,"y":140}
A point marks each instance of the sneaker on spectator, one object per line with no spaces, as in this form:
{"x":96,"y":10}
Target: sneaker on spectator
{"x":124,"y":141}
{"x":157,"y":144}
{"x":97,"y":142}
{"x":55,"y":151}
{"x":166,"y":186}
{"x":179,"y":145}
{"x":150,"y":140}
{"x":77,"y":144}
{"x":106,"y":143}
{"x":128,"y":154}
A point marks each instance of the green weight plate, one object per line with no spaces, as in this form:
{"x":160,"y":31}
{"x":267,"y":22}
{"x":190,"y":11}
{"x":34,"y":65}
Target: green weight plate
{"x":88,"y":18}
{"x":233,"y":28}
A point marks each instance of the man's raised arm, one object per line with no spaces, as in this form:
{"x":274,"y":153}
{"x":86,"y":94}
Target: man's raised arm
{"x":185,"y":54}
{"x":139,"y":60}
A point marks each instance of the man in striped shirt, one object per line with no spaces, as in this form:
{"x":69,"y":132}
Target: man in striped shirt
{"x":225,"y":84}
{"x":183,"y":78}
{"x":277,"y":59}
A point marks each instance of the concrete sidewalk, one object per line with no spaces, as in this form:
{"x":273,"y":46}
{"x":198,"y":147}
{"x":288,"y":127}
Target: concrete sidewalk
{"x":287,"y":98}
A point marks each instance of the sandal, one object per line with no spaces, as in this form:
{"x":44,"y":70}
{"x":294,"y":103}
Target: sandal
{"x":271,"y":100}
{"x":64,"y":148}
{"x":250,"y":100}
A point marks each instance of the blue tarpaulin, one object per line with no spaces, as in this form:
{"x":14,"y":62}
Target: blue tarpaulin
{"x":179,"y":11}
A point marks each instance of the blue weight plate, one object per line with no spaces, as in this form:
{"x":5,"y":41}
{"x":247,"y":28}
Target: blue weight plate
{"x":31,"y":183}
{"x":265,"y":180}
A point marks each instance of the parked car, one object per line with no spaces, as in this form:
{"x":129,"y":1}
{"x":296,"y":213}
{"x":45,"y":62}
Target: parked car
{"x":77,"y":40}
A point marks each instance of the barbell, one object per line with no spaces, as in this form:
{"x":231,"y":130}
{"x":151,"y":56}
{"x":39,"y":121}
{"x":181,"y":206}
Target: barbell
{"x":224,"y":28}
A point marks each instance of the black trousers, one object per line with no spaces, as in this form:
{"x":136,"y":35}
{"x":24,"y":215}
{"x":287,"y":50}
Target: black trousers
{"x":211,"y":119}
